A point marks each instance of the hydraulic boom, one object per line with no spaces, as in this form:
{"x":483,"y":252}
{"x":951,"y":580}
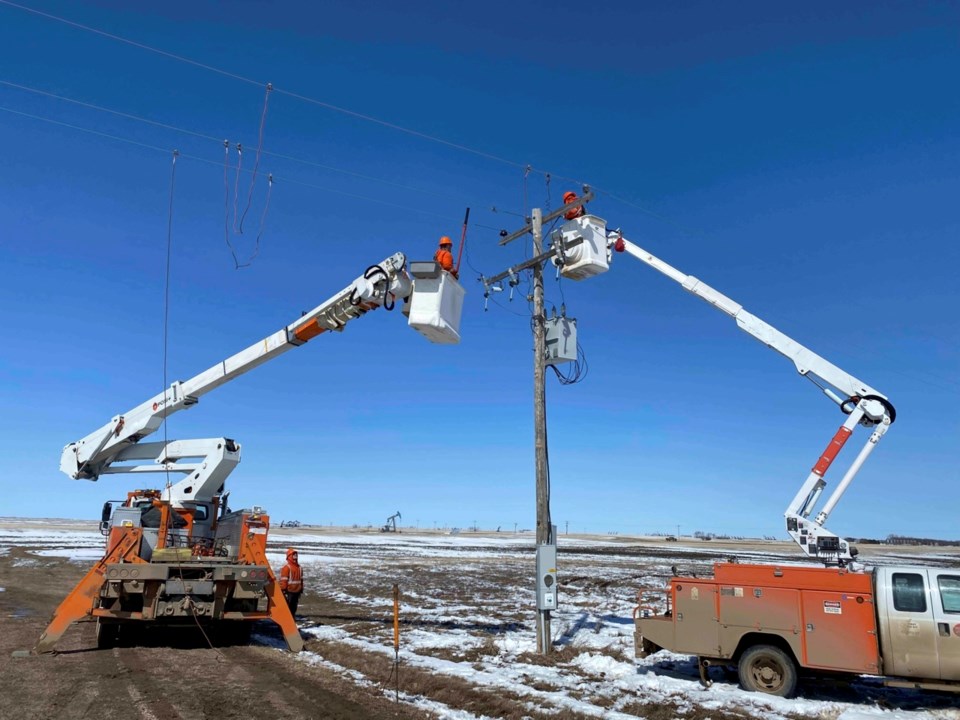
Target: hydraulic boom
{"x":862,"y":404}
{"x":103,"y":450}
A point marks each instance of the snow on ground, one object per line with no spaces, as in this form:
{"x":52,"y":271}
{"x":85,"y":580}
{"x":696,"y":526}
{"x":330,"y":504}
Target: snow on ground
{"x":467,"y":613}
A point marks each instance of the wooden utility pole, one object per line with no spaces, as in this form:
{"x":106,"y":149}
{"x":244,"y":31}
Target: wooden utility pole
{"x":546,"y":580}
{"x":540,"y":418}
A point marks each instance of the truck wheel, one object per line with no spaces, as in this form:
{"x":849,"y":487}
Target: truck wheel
{"x":768,"y":669}
{"x":107,"y":635}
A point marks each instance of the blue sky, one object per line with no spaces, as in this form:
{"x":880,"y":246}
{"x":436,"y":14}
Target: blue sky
{"x":801,"y":158}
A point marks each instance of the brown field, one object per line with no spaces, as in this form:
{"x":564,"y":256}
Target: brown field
{"x":466,"y":629}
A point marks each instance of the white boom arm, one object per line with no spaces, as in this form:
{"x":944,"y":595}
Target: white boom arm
{"x":116,"y":441}
{"x":863,"y":405}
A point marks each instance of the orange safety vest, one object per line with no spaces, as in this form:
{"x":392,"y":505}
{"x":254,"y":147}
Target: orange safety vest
{"x":291,"y":578}
{"x":445,"y":258}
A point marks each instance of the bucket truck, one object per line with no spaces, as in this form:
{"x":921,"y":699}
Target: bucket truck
{"x":179,"y":555}
{"x":901,"y":623}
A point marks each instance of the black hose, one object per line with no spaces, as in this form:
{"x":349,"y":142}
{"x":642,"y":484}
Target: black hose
{"x":371,"y":273}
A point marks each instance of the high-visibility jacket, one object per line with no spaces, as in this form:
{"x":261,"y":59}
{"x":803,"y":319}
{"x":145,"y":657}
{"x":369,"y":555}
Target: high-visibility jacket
{"x":445,"y":258}
{"x":291,"y":578}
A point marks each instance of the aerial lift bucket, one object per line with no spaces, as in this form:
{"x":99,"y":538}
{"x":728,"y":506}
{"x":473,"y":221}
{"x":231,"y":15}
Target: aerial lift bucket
{"x":436,"y":303}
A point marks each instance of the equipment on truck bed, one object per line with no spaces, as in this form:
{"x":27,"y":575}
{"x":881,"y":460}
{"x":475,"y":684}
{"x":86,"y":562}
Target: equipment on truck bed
{"x":179,"y":554}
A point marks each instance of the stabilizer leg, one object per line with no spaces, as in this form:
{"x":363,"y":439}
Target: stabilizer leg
{"x":79,"y":603}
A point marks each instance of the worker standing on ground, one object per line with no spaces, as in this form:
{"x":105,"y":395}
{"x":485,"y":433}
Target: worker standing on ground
{"x":568,"y":197}
{"x":291,"y":580}
{"x":444,"y":255}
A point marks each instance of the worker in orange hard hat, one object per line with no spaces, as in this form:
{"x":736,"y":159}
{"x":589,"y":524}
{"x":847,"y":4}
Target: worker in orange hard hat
{"x":568,"y":197}
{"x":444,"y":255}
{"x":291,"y":580}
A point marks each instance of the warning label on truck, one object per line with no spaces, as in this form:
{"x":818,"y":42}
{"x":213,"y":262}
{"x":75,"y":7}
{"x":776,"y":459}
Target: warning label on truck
{"x":832,"y":607}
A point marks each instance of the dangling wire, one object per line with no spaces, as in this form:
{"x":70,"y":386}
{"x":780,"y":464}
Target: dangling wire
{"x":547,"y":177}
{"x":578,"y":370}
{"x":263,"y":219}
{"x":226,"y":203}
{"x":236,"y":185}
{"x":256,"y":161}
{"x":166,"y":310}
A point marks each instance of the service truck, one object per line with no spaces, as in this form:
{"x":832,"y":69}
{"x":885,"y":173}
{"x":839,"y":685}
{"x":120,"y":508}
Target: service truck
{"x":773,"y":621}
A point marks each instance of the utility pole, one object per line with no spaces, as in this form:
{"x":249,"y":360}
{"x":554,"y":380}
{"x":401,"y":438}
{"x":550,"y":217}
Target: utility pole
{"x":544,"y":525}
{"x":678,"y":532}
{"x":546,"y":531}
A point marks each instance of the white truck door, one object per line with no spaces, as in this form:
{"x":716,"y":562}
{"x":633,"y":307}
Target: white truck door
{"x":909,"y":634}
{"x":946,"y":614}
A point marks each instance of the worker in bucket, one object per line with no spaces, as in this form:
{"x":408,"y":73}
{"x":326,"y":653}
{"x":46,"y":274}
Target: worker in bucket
{"x":568,"y":197}
{"x":291,"y":580}
{"x":444,"y":255}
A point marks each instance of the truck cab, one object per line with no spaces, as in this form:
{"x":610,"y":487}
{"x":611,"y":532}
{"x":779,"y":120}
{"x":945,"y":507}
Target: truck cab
{"x":919,"y":621}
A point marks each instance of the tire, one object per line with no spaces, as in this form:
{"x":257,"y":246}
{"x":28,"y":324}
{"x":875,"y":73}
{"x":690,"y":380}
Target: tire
{"x":767,"y":669}
{"x":107,"y":635}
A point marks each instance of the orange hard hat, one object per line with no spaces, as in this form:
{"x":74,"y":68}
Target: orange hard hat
{"x":445,"y":241}
{"x":291,"y":551}
{"x":569,"y":196}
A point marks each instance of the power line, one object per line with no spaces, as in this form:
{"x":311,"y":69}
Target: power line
{"x":212,"y":138}
{"x":345,"y":111}
{"x":241,"y":78}
{"x":105,"y":34}
{"x":87,"y":130}
{"x":207,"y":161}
{"x":166,"y":308}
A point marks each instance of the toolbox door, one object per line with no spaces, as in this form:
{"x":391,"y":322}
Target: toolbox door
{"x":840,"y":631}
{"x":695,"y":613}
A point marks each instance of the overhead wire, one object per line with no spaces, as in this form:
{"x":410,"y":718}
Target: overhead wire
{"x":346,"y":111}
{"x":166,"y":343}
{"x":256,"y":162}
{"x":241,"y":78}
{"x":166,"y":310}
{"x":212,"y":138}
{"x":369,"y":118}
{"x":196,"y":158}
{"x":86,"y":130}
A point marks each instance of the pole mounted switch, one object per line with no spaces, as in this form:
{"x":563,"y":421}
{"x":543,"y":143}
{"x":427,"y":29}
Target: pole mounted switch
{"x":547,"y":577}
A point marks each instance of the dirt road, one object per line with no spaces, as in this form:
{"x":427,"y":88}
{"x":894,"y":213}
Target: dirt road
{"x":189,"y":681}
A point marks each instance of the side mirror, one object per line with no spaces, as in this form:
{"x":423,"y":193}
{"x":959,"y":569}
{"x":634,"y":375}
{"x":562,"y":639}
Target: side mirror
{"x":105,"y":518}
